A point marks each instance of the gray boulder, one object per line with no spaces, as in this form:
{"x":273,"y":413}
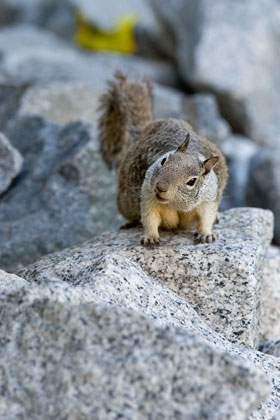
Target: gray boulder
{"x":105,"y":338}
{"x":232,"y":49}
{"x":10,"y":163}
{"x":75,"y":358}
{"x":63,"y":196}
{"x":263,"y":188}
{"x":221,"y":281}
{"x":29,"y":54}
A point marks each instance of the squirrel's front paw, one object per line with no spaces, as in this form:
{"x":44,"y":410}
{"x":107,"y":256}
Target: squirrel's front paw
{"x":203,"y":239}
{"x":150,"y":242}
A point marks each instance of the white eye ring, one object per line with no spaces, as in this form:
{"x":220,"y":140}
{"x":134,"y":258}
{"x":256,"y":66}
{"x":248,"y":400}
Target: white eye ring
{"x":191,"y":182}
{"x":163,"y":161}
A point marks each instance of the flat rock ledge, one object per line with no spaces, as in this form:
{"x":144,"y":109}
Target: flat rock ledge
{"x":103,"y":331}
{"x":221,"y":281}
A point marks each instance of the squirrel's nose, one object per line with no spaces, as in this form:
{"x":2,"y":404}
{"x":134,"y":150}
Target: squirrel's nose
{"x":162,"y":186}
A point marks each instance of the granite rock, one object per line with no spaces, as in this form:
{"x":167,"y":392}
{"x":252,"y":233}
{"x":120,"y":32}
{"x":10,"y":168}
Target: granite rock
{"x":10,"y":163}
{"x":64,"y":359}
{"x":232,"y":49}
{"x":106,"y":273}
{"x":95,"y":324}
{"x":221,"y":281}
{"x":29,"y":54}
{"x":270,"y":298}
{"x":263,"y":187}
{"x":10,"y":282}
{"x":64,"y":193}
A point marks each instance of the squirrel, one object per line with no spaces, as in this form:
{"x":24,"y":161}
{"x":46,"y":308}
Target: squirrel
{"x":168,"y":175}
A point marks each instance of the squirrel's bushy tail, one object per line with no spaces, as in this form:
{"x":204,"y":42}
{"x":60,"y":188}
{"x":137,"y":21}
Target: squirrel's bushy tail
{"x":126,"y":107}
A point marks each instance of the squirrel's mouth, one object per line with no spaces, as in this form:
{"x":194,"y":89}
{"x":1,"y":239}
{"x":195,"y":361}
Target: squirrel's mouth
{"x":161,"y":199}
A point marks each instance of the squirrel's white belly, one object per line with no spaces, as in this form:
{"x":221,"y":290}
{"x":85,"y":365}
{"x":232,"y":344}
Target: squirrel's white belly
{"x":169,"y":216}
{"x":172,"y":218}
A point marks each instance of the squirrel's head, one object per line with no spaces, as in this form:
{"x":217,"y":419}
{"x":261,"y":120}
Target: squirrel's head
{"x":180,"y":177}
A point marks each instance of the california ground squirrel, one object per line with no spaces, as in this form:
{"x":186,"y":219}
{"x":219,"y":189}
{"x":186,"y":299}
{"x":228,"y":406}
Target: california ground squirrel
{"x":168,"y":175}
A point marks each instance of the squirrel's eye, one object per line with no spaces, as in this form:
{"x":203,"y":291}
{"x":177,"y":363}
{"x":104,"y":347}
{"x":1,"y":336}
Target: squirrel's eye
{"x":163,"y":161}
{"x":191,"y":182}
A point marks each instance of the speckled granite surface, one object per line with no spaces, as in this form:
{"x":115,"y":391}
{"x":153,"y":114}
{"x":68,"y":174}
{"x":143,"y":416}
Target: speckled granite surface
{"x":221,"y":281}
{"x":270,"y":298}
{"x":64,"y":354}
{"x":94,"y":333}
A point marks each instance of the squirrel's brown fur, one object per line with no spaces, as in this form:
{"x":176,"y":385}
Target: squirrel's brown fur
{"x":126,"y":108}
{"x":157,"y":163}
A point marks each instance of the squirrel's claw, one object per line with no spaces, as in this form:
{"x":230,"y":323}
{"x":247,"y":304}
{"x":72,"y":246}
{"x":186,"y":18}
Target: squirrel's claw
{"x":203,"y":239}
{"x":150,"y":242}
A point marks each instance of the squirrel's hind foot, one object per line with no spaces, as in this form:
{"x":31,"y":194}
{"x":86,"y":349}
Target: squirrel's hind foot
{"x":205,"y":239}
{"x":150,"y":242}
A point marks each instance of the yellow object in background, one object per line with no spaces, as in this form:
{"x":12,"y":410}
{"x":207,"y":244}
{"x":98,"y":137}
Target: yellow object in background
{"x":120,"y":39}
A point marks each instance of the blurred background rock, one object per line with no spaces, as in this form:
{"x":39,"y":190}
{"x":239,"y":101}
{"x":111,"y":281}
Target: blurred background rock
{"x":214,"y":63}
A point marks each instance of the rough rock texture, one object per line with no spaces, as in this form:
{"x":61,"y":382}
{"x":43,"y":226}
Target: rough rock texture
{"x":63,"y":196}
{"x":10,"y":282}
{"x":232,"y":49}
{"x":29,"y":54}
{"x":92,"y":318}
{"x":270,"y":299}
{"x":68,"y":356}
{"x":263,"y":188}
{"x":10,"y":163}
{"x":221,"y":280}
{"x":64,"y":102}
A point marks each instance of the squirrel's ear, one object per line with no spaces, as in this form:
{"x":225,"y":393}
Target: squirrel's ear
{"x":209,"y":164}
{"x":183,"y":147}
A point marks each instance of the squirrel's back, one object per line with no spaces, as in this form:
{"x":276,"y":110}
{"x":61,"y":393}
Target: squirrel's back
{"x":126,"y":108}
